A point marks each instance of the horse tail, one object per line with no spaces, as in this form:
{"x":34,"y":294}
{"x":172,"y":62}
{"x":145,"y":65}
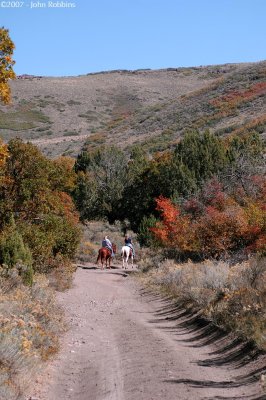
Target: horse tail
{"x":99,"y":255}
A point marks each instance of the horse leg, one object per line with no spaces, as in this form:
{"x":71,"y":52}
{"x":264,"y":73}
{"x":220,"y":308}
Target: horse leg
{"x":98,"y":258}
{"x":132,"y":260}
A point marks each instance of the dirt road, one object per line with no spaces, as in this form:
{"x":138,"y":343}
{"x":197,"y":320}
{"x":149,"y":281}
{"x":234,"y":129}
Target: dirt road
{"x":126,"y":344}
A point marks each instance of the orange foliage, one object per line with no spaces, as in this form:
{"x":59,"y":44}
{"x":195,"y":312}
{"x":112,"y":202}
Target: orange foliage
{"x":65,"y":175}
{"x":3,"y":154}
{"x":216,"y":224}
{"x":249,"y":126}
{"x":6,"y":65}
{"x":221,"y":231}
{"x":233,"y":98}
{"x":68,"y":207}
{"x":175,"y":230}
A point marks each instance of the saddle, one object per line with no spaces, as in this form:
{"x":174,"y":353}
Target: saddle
{"x":106,"y":248}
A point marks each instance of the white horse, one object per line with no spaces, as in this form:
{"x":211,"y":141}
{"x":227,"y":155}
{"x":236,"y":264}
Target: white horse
{"x":126,"y":253}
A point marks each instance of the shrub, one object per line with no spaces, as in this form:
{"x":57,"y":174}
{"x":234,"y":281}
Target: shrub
{"x":61,"y":273}
{"x":30,"y":323}
{"x":12,"y":247}
{"x":214,"y":223}
{"x":145,"y":236}
{"x":14,"y":253}
{"x":232,"y":297}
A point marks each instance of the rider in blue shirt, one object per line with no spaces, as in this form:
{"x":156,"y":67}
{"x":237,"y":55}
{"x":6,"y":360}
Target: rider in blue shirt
{"x":128,"y":242}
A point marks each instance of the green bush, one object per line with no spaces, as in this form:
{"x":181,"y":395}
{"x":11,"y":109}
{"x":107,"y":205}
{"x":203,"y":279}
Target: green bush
{"x":145,"y":236}
{"x":15,"y":253}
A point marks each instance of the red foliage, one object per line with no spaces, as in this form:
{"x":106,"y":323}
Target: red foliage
{"x":233,"y":98}
{"x":249,"y":126}
{"x":212,"y":194}
{"x":221,"y":231}
{"x":193,"y":207}
{"x":67,"y":207}
{"x":215,"y":224}
{"x":258,"y":245}
{"x":175,"y":230}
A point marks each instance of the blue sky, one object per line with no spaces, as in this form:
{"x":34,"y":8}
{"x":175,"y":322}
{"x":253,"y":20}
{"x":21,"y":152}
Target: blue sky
{"x":100,"y":35}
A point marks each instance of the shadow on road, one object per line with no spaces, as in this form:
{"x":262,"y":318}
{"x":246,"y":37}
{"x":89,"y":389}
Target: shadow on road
{"x":113,"y":270}
{"x":228,"y":351}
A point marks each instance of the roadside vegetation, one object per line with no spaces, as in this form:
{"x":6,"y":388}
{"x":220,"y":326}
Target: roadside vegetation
{"x":30,"y":324}
{"x":39,"y":235}
{"x":232,"y":297}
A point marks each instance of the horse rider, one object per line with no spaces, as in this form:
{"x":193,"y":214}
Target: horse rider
{"x":107,"y":243}
{"x":129,"y":243}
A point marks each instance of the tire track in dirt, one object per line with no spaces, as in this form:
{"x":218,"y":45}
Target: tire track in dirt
{"x":125,"y":344}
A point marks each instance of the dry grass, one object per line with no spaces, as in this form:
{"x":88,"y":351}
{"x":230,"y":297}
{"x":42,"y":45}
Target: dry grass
{"x":30,"y":324}
{"x":61,"y":275}
{"x":232,"y":297}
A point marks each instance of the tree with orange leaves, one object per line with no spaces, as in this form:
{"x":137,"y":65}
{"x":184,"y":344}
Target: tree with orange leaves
{"x":3,"y":154}
{"x":6,"y":65}
{"x":174,"y":230}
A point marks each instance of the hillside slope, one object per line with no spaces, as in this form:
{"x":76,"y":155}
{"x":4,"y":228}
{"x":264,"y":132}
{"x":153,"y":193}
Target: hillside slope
{"x":126,"y":107}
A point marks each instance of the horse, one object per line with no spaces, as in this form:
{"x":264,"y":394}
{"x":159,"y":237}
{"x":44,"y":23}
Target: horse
{"x":105,"y":255}
{"x":126,"y":253}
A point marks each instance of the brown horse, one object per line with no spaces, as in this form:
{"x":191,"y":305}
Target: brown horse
{"x":105,"y":255}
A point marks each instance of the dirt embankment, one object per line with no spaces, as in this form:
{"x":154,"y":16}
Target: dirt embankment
{"x":126,"y":344}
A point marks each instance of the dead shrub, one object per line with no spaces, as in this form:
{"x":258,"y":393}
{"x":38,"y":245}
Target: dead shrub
{"x":61,"y":275}
{"x":149,"y":260}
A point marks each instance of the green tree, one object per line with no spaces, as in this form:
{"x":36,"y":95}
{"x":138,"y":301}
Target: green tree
{"x":203,"y":154}
{"x":138,"y":163}
{"x":161,"y":176}
{"x":102,"y":179}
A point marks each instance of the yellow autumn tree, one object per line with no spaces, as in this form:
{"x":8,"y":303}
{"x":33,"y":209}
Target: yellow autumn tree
{"x":3,"y":154}
{"x":6,"y":65}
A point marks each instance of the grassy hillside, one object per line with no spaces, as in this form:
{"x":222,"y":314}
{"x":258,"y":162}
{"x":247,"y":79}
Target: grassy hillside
{"x":125,"y":107}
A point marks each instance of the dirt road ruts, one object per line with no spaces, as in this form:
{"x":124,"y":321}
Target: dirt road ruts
{"x":126,"y":344}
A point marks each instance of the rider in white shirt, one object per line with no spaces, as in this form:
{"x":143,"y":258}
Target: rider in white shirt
{"x":107,"y":243}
